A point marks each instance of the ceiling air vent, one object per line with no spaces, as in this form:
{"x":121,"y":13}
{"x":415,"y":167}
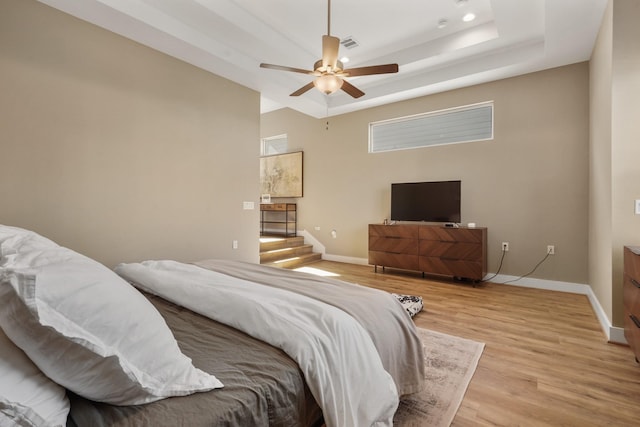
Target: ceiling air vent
{"x":349,"y":42}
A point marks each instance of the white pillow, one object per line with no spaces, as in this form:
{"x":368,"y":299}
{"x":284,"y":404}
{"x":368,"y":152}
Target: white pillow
{"x":7,"y":231}
{"x":14,"y":241}
{"x":94,"y":333}
{"x":27,"y":396}
{"x":29,"y":256}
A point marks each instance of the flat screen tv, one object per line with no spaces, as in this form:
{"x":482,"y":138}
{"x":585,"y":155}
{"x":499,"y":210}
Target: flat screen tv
{"x":437,"y":201}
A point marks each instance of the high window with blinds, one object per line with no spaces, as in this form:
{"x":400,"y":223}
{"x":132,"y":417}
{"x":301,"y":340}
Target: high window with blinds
{"x":454,"y":125}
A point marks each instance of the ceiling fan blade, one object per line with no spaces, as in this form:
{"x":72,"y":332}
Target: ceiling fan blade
{"x":351,"y":89}
{"x":330,"y":47}
{"x":284,"y":68}
{"x":302,"y":90}
{"x":374,"y":69}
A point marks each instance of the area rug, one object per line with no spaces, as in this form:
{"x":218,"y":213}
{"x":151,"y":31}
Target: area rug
{"x":450,"y":362}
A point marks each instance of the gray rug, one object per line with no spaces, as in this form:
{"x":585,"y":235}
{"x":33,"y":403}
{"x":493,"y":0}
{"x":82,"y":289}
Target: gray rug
{"x":449,"y":365}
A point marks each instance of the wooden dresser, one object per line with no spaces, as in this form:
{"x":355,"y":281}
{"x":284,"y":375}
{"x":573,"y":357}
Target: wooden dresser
{"x":632,"y":298}
{"x":434,"y":249}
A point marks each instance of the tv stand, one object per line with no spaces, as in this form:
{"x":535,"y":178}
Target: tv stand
{"x":458,"y":252}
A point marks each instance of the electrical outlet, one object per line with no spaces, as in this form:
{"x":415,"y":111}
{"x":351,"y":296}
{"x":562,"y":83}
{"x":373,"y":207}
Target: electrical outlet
{"x":505,"y":246}
{"x":551,"y":250}
{"x":234,"y":244}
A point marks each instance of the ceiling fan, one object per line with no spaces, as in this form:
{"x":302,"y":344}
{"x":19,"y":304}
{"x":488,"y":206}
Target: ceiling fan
{"x":330,"y":72}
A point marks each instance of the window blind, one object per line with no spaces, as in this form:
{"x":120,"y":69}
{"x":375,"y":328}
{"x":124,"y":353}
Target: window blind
{"x":455,"y":125}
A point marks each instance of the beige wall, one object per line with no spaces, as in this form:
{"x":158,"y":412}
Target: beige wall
{"x":529,"y":185}
{"x":625,"y":139}
{"x":600,"y":226}
{"x":118,"y":151}
{"x":615,"y":174}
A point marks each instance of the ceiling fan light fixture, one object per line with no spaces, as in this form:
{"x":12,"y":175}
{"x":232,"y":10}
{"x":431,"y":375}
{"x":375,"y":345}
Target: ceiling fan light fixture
{"x":321,"y":68}
{"x":329,"y":70}
{"x":328,"y":83}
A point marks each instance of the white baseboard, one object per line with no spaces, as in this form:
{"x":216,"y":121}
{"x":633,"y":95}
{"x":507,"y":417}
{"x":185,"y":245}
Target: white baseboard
{"x":613,"y":333}
{"x":311,"y":240}
{"x":617,"y":335}
{"x":320,"y":248}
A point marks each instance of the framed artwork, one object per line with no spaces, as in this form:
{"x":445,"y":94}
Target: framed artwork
{"x":281,"y":175}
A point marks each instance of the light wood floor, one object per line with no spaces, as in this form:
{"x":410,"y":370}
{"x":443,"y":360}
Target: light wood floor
{"x":546,"y":361}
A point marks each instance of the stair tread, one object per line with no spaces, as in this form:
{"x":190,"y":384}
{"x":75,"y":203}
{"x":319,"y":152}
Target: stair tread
{"x":288,"y":249}
{"x":286,"y":252}
{"x":273,"y":243}
{"x":296,"y":261}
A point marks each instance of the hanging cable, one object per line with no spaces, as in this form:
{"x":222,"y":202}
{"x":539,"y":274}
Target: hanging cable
{"x":531,"y":272}
{"x":499,"y":267}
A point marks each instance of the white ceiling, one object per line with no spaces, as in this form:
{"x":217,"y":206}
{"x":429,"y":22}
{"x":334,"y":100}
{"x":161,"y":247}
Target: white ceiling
{"x":231,"y":38}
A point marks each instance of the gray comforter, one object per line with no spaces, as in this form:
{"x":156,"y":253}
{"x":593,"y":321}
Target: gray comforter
{"x":391,"y":329}
{"x":262,"y":385}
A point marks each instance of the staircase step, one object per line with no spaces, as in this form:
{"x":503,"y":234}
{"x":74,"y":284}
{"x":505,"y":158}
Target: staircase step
{"x":296,"y":261}
{"x":274,"y":243}
{"x":288,"y":252}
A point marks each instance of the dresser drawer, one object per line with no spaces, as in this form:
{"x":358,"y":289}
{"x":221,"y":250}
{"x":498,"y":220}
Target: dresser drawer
{"x":631,"y":298}
{"x":452,"y":267}
{"x":387,"y":259}
{"x":632,"y":332}
{"x":452,"y":234}
{"x":631,"y":295}
{"x":395,"y":245}
{"x":400,"y":231}
{"x":451,"y":250}
{"x":632,"y":262}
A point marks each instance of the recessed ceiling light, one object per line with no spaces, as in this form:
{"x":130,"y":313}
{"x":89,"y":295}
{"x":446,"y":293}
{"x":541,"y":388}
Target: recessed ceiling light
{"x":442,"y":23}
{"x":461,"y":3}
{"x":469,"y":17}
{"x":344,"y":59}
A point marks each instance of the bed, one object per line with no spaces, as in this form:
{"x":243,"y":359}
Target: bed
{"x":229,"y":364}
{"x":263,"y":387}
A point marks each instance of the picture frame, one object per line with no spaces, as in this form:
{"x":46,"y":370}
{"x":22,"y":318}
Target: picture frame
{"x":281,"y":175}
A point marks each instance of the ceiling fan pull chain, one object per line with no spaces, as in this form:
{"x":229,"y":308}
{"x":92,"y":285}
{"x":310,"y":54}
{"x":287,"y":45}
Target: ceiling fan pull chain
{"x":327,"y":128}
{"x":328,"y":17}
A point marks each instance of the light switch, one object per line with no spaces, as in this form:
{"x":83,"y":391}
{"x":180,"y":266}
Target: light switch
{"x":247,"y":206}
{"x":637,"y":206}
